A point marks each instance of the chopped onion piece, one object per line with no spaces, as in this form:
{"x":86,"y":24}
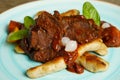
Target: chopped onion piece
{"x":71,"y":46}
{"x":105,"y":25}
{"x":65,"y":40}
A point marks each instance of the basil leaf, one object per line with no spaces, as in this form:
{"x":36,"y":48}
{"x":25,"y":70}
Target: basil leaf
{"x":17,"y":35}
{"x":28,"y":21}
{"x":90,"y":12}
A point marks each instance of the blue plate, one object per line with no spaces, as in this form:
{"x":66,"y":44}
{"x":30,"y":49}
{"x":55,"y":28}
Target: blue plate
{"x":13,"y":65}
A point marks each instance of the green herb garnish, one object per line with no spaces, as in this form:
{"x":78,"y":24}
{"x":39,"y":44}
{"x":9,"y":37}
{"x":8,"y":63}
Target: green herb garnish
{"x":90,"y":12}
{"x":13,"y":36}
{"x":28,"y":21}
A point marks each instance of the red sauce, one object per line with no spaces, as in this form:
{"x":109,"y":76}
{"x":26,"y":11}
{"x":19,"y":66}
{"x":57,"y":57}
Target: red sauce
{"x":70,"y":58}
{"x":75,"y":68}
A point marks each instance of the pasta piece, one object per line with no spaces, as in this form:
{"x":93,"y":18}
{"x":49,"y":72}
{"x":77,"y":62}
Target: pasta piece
{"x":92,"y":63}
{"x":71,"y":12}
{"x":55,"y":65}
{"x":19,"y":50}
{"x":96,"y":45}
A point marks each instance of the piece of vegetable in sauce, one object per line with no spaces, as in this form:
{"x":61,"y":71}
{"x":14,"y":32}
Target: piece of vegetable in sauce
{"x":70,"y":45}
{"x":90,"y":12}
{"x":13,"y":26}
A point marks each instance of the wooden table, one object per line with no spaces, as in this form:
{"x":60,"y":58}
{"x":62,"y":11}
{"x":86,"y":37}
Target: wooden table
{"x":7,"y":4}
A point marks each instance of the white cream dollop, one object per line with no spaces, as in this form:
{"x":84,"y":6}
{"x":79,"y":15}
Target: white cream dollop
{"x":70,"y":45}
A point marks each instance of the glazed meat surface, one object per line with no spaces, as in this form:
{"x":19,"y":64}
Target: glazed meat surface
{"x":80,"y":29}
{"x":111,"y":36}
{"x":44,"y":40}
{"x":42,"y":36}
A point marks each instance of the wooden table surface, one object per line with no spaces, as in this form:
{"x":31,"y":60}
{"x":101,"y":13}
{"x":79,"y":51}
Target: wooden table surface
{"x":7,"y":4}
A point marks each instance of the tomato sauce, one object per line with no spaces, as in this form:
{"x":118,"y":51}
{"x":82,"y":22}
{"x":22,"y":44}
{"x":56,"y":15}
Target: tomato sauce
{"x":70,"y":58}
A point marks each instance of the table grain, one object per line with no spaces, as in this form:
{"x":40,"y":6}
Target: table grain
{"x":7,"y":4}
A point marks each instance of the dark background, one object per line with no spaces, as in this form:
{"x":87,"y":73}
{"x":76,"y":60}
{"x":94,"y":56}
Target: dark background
{"x":7,"y":4}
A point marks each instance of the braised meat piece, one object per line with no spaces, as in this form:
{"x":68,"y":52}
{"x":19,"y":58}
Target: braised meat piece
{"x":44,"y":40}
{"x":81,"y":29}
{"x":111,"y":36}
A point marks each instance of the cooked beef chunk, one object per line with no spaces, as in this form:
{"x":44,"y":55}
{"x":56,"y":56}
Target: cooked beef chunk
{"x":81,"y":29}
{"x":44,"y":40}
{"x":111,"y":36}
